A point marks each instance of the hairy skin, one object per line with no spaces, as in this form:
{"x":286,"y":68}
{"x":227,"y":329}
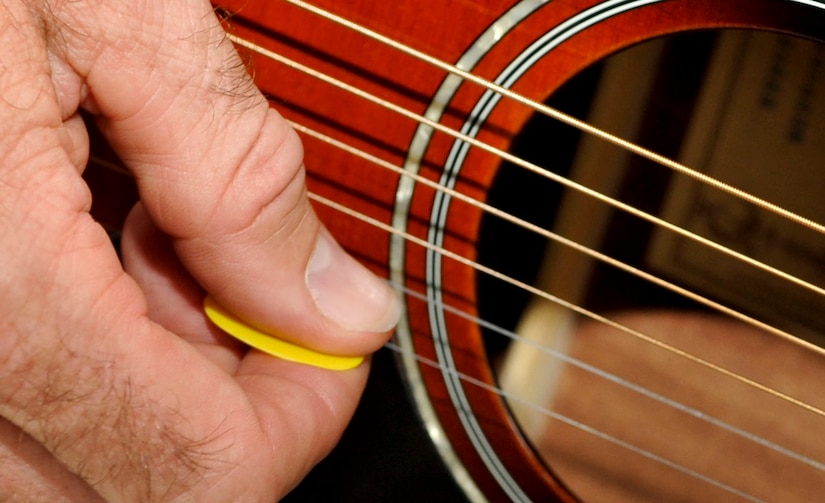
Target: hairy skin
{"x":113,"y":385}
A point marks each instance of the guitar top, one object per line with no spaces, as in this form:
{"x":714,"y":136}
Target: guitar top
{"x":606,"y":219}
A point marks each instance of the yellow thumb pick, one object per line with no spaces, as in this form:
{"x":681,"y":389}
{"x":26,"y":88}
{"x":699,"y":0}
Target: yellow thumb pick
{"x":233,"y":326}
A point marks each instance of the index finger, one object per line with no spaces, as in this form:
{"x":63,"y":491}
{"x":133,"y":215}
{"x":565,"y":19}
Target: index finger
{"x":222,"y":173}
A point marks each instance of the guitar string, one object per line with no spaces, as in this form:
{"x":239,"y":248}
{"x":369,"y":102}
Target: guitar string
{"x":711,"y":244}
{"x":596,"y":371}
{"x":563,"y":303}
{"x":340,"y":84}
{"x":595,"y":254}
{"x":506,"y":156}
{"x":590,"y":252}
{"x":603,"y":374}
{"x":559,"y":116}
{"x":577,"y":424}
{"x":374,"y":99}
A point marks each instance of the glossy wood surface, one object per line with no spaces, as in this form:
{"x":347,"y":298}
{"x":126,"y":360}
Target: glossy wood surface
{"x":445,"y":30}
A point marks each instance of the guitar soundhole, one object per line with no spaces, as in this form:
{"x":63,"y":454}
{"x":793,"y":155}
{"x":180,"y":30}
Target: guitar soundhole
{"x":743,"y":107}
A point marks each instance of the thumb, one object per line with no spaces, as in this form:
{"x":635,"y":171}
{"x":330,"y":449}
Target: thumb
{"x":223,"y":175}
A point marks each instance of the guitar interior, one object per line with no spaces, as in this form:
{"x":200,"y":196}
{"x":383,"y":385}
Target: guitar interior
{"x":745,"y":108}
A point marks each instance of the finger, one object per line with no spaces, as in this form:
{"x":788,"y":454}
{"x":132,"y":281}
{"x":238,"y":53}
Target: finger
{"x":174,"y":300}
{"x":326,"y":399}
{"x":69,"y":92}
{"x":222,"y":174}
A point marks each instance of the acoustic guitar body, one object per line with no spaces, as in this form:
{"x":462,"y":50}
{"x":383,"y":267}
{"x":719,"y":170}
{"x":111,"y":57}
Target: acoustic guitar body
{"x":457,"y":341}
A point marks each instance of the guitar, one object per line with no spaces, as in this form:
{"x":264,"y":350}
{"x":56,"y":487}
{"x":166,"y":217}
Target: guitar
{"x":605,"y":220}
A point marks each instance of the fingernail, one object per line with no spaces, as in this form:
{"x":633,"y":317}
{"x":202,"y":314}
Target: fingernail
{"x":347,"y":292}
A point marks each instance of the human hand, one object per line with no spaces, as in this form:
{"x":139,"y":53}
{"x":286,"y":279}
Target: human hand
{"x":115,"y":386}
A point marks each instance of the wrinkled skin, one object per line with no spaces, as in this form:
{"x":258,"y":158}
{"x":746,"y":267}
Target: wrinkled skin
{"x":112,"y":383}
